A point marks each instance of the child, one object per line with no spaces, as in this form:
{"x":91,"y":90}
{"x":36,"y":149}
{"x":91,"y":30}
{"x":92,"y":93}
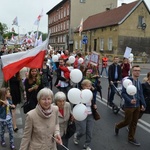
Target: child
{"x":6,"y":117}
{"x":86,"y":126}
{"x":66,"y":69}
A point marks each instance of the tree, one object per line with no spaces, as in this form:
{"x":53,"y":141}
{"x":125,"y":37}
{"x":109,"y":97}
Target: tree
{"x":3,"y":28}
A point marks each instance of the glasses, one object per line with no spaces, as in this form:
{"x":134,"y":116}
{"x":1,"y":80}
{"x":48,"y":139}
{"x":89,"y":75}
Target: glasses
{"x":137,"y":70}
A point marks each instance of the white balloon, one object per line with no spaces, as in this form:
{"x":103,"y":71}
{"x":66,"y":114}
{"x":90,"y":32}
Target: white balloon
{"x":76,"y":75}
{"x":74,"y":96}
{"x":80,"y":60}
{"x":131,"y":90}
{"x":131,"y":59}
{"x":86,"y":96}
{"x":80,"y":112}
{"x":127,"y":82}
{"x":55,"y":58}
{"x":131,"y":55}
{"x":71,"y":59}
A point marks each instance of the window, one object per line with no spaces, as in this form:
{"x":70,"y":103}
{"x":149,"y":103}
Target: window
{"x":140,"y":21}
{"x":82,"y":1}
{"x":64,"y":12}
{"x":80,"y":44}
{"x":64,"y":38}
{"x":110,"y":44}
{"x":76,"y":45}
{"x":68,"y":11}
{"x":101,"y":44}
{"x":67,"y":24}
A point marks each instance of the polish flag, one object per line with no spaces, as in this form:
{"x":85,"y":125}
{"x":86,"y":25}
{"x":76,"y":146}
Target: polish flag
{"x":37,"y":21}
{"x":12,"y":63}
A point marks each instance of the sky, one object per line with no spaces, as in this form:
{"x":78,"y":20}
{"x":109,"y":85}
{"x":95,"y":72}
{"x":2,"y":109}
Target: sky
{"x":27,"y":12}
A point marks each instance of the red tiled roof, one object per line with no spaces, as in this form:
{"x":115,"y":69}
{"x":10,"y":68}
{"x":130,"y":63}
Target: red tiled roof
{"x":109,"y":17}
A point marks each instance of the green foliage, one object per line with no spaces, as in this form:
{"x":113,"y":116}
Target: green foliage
{"x":9,"y":34}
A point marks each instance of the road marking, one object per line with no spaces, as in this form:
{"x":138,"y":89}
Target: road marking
{"x":141,"y":123}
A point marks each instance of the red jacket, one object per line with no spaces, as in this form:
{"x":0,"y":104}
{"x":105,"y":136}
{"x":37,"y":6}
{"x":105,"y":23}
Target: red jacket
{"x":66,"y":71}
{"x":104,"y":62}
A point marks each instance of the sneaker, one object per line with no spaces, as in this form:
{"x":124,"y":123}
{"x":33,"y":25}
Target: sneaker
{"x":127,"y":129}
{"x":86,"y":148}
{"x":116,"y":130}
{"x":75,"y":140}
{"x":12,"y":147}
{"x":3,"y":144}
{"x":134,"y":142}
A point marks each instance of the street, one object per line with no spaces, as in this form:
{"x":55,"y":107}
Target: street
{"x":103,"y":135}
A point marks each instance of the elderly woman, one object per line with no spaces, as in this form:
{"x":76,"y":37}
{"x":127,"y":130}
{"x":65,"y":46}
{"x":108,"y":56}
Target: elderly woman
{"x":41,"y":130}
{"x":64,"y":115}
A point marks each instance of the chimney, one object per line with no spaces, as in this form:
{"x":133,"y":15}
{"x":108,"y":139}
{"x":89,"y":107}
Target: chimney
{"x":123,"y":4}
{"x":107,"y":9}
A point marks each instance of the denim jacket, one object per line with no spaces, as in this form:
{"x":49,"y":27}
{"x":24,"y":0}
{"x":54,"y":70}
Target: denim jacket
{"x":3,"y":110}
{"x":139,"y":97}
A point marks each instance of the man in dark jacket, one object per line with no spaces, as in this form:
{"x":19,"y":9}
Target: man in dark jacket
{"x":114,"y":77}
{"x":132,"y":106}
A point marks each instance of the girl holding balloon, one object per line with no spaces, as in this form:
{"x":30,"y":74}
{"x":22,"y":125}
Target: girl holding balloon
{"x":85,"y":127}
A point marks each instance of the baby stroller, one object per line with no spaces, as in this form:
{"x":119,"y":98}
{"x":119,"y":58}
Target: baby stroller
{"x":116,"y":108}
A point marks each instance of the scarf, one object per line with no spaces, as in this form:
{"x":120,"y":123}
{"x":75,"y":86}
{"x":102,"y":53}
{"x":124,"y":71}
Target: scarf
{"x":46,"y":113}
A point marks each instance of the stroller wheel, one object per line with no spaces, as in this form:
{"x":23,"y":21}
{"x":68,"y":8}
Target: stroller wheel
{"x":115,"y":109}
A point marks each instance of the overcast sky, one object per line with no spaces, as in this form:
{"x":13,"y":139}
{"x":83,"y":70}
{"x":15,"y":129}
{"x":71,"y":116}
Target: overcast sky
{"x":27,"y":12}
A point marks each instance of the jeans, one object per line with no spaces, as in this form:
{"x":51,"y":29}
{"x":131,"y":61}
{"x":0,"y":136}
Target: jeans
{"x":85,"y":127}
{"x":112,"y":92}
{"x":104,"y":68}
{"x":131,"y":119}
{"x":3,"y":124}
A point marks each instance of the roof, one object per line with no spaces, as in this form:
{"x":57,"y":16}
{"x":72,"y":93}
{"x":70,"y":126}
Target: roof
{"x":111,"y":17}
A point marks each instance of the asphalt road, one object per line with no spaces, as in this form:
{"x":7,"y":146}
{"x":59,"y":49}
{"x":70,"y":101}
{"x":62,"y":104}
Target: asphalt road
{"x":103,"y":134}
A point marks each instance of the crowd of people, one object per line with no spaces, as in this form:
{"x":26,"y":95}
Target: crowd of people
{"x":46,"y":122}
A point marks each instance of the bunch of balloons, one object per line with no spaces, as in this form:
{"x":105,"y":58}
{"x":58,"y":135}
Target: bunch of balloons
{"x":80,"y":98}
{"x":130,"y":88}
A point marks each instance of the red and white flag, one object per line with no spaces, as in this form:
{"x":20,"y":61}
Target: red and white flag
{"x":14,"y":62}
{"x":81,"y":27}
{"x":37,"y":21}
{"x":15,"y":21}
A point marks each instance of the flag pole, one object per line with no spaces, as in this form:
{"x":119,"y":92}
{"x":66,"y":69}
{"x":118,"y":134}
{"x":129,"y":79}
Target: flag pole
{"x":18,"y":35}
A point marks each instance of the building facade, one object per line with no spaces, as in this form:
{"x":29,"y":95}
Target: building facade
{"x":116,"y":29}
{"x":65,"y":17}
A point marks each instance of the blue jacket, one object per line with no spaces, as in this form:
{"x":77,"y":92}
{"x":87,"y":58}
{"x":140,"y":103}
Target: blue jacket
{"x":3,"y":110}
{"x":127,"y":98}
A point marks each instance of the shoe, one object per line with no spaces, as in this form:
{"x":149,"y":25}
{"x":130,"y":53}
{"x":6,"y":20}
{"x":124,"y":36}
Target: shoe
{"x":86,"y":148}
{"x":16,"y":129}
{"x":127,"y":129}
{"x":111,"y":104}
{"x":12,"y":147}
{"x":3,"y":144}
{"x":116,"y":130}
{"x":75,"y":140}
{"x":134,"y":142}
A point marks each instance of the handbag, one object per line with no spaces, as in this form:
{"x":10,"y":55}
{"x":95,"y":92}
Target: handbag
{"x":71,"y":129}
{"x":26,"y":107}
{"x":96,"y":114}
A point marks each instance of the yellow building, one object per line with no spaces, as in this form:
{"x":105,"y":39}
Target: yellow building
{"x":113,"y":30}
